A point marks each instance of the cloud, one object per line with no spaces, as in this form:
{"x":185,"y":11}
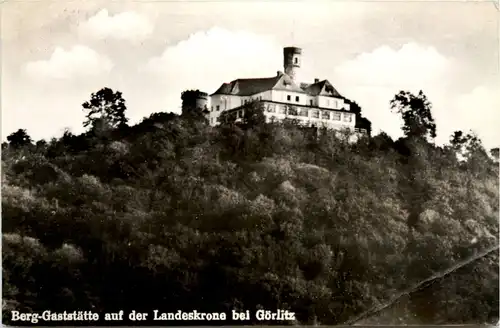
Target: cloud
{"x":124,"y":26}
{"x":412,"y":66}
{"x":478,"y":110}
{"x":79,"y":61}
{"x":208,"y":58}
{"x":373,"y":78}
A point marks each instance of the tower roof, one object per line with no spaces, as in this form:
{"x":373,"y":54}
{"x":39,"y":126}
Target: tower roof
{"x":295,"y":50}
{"x":194,"y":93}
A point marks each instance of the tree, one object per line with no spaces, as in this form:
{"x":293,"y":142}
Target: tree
{"x":105,"y":107}
{"x":495,"y":153}
{"x":41,"y":146}
{"x":254,"y":114}
{"x":382,"y":142}
{"x":354,"y":107}
{"x":416,"y":114}
{"x":419,"y":128}
{"x":361,"y":122}
{"x":227,"y":118}
{"x":19,"y":139}
{"x":467,"y":146}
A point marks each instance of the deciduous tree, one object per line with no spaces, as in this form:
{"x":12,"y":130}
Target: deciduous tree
{"x":105,"y":107}
{"x":19,"y":139}
{"x":416,"y":113}
{"x":254,"y":114}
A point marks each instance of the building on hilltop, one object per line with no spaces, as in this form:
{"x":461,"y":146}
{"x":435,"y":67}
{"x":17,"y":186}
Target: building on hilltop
{"x":316,"y":104}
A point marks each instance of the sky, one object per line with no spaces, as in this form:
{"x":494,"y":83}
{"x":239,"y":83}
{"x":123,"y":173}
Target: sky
{"x":55,"y":54}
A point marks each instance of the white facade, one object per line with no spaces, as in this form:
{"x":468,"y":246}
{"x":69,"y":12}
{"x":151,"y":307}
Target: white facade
{"x":306,"y":115}
{"x":328,"y":111}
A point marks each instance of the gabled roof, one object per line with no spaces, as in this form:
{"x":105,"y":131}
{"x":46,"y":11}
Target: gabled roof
{"x":322,"y":88}
{"x":248,"y":87}
{"x":287,"y":84}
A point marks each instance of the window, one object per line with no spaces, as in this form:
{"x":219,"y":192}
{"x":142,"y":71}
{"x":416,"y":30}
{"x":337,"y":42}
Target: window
{"x":240,"y":114}
{"x":288,"y":97}
{"x":303,"y":112}
{"x":315,"y":114}
{"x":217,"y":108}
{"x":271,"y":108}
{"x":336,"y":116}
{"x":311,"y":102}
{"x":281,"y":109}
{"x":212,"y":109}
{"x":292,"y":111}
{"x":297,"y":98}
{"x":347,"y":117}
{"x":325,"y":115}
{"x":296,"y":60}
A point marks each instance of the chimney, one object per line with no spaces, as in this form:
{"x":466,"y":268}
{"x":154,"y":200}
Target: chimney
{"x":316,"y":80}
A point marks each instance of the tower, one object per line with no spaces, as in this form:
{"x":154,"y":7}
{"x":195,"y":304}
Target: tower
{"x":292,"y":59}
{"x":194,"y":99}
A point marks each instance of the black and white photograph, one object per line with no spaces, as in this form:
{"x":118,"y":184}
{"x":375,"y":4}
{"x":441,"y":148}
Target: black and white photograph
{"x":286,"y":163}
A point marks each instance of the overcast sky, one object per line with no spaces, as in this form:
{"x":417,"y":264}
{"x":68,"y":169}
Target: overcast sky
{"x":56,"y":53}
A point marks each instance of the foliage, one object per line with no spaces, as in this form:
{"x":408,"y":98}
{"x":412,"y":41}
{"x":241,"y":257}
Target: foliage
{"x":105,"y":109}
{"x":416,"y":113}
{"x":467,"y":146}
{"x":19,"y":139}
{"x":253,"y":115}
{"x":361,"y":121}
{"x":495,"y":153}
{"x":174,"y":214}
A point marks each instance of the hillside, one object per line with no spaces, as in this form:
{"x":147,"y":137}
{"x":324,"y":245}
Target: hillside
{"x":172,"y":214}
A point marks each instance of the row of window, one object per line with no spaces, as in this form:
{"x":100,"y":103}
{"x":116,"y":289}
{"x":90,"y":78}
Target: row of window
{"x":311,"y":101}
{"x":303,"y":112}
{"x":288,"y":98}
{"x":326,"y":115}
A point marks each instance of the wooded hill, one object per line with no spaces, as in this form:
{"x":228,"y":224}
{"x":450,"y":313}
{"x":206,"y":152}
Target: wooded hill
{"x":174,"y":214}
